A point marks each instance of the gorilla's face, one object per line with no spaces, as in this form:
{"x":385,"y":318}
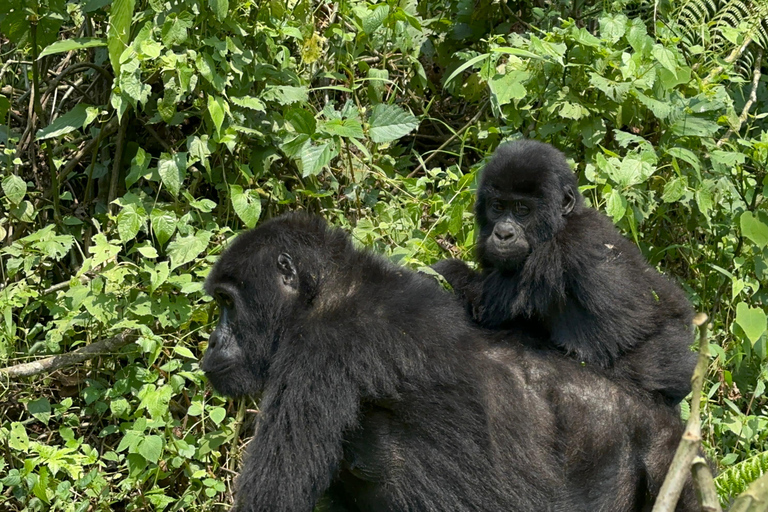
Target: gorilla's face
{"x":503,"y":236}
{"x":526,"y":192}
{"x":254,"y":295}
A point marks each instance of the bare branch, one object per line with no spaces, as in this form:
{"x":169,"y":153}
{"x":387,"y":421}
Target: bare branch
{"x":679,"y":469}
{"x":49,"y":364}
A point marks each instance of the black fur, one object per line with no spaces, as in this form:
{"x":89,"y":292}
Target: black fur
{"x":548,"y":260}
{"x":380,"y":396}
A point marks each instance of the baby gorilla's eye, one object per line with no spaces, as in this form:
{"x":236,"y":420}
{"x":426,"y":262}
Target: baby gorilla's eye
{"x":497,"y":207}
{"x":521,"y":210}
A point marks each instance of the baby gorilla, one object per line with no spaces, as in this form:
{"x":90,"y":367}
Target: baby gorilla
{"x":378,"y":394}
{"x":552,"y":265}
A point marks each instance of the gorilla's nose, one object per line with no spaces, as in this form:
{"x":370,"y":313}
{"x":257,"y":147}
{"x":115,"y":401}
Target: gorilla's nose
{"x":504,"y":232}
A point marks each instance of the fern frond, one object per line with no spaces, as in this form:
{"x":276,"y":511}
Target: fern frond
{"x":734,"y":480}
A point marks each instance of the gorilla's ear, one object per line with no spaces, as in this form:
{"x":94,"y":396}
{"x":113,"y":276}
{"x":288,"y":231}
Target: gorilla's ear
{"x":288,"y":271}
{"x":569,"y":201}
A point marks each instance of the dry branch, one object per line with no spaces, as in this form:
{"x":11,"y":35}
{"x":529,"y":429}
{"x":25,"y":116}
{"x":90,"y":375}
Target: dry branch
{"x":49,"y":364}
{"x":679,"y":469}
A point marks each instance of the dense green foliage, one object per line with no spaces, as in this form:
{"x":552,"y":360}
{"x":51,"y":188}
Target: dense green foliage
{"x":138,"y":136}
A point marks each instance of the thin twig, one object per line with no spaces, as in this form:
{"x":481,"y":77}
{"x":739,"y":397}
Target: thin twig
{"x":450,"y":139}
{"x":752,"y":99}
{"x":705,"y":486}
{"x":109,"y":129}
{"x":679,"y":469}
{"x":50,"y":364}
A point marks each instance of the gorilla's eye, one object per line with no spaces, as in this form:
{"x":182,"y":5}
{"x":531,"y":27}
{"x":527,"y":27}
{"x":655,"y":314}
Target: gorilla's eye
{"x":225,"y":300}
{"x":521,"y":210}
{"x":497,"y":207}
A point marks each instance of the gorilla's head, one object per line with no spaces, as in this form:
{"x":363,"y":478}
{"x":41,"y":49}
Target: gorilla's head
{"x":526,"y":193}
{"x":262,"y":284}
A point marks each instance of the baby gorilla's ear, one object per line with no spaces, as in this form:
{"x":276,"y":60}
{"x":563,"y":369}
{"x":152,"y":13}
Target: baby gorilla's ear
{"x":569,"y":201}
{"x":288,"y":272}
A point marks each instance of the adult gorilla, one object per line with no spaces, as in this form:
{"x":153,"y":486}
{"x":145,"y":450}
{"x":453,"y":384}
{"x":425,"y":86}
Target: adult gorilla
{"x":378,"y":395}
{"x":564,"y":269}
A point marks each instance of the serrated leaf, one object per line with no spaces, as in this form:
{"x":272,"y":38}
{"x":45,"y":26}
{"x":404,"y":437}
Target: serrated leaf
{"x":674,"y":190}
{"x":163,"y":224}
{"x":664,"y":57}
{"x":172,"y":170}
{"x":316,"y":156}
{"x":375,"y":18}
{"x":286,"y":94}
{"x":185,"y":249}
{"x":507,"y":87}
{"x":69,"y":122}
{"x":129,"y":222}
{"x":76,"y":43}
{"x":751,"y":320}
{"x":616,"y":205}
{"x":613,"y":27}
{"x":249,"y":102}
{"x":349,"y":128}
{"x":156,"y":400}
{"x":754,"y":228}
{"x":151,"y":447}
{"x":389,"y":122}
{"x":14,"y":188}
{"x":247,"y":205}
{"x":119,"y":31}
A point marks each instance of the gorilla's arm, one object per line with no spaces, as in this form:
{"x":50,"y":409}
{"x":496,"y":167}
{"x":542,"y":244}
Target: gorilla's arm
{"x":305,"y":410}
{"x":467,"y":284}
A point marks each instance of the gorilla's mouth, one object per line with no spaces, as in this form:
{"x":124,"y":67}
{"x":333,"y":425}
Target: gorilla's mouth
{"x":507,"y":255}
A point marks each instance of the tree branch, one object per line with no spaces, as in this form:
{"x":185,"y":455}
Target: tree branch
{"x":679,"y":469}
{"x":60,"y":361}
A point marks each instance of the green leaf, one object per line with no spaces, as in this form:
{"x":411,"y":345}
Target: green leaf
{"x":665,"y":57}
{"x":616,"y":205}
{"x":163,"y":224}
{"x":249,"y":102}
{"x":690,"y":126}
{"x":119,"y":31}
{"x":613,"y":27}
{"x":247,"y":205}
{"x":460,"y":69}
{"x":375,"y":18}
{"x":40,"y":409}
{"x":217,"y":108}
{"x":316,"y":156}
{"x":129,"y":222}
{"x":14,"y":188}
{"x":350,"y":128}
{"x":185,"y":249}
{"x":76,"y":43}
{"x":159,"y":276}
{"x":674,"y":190}
{"x":69,"y":122}
{"x":18,"y":439}
{"x":172,"y":170}
{"x":507,"y":87}
{"x":151,"y":447}
{"x":751,"y":320}
{"x":754,"y":229}
{"x":389,"y":122}
{"x":184,"y":352}
{"x":175,"y":28}
{"x":286,"y":94}
{"x":220,"y":8}
{"x":156,"y":400}
{"x":139,"y":166}
{"x":217,"y":414}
